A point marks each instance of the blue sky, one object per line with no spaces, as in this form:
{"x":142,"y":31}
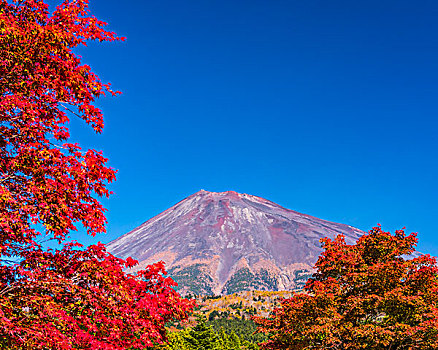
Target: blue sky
{"x":325,"y":107}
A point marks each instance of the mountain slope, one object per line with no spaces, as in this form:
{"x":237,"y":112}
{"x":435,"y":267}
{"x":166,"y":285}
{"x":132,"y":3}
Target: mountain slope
{"x":221,"y":243}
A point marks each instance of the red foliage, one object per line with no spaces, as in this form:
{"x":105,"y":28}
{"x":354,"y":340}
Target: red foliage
{"x":363,"y":296}
{"x":82,"y":299}
{"x":45,"y":180}
{"x":68,"y":298}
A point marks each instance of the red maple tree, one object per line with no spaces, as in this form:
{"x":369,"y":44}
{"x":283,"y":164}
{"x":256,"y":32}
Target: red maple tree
{"x":67,"y":298}
{"x":374,"y":294}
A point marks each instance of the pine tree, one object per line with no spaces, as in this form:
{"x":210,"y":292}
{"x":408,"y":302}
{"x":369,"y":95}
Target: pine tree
{"x":202,"y":336}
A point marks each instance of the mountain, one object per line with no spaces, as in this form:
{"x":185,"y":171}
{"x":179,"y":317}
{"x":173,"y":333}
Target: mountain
{"x":225,"y":242}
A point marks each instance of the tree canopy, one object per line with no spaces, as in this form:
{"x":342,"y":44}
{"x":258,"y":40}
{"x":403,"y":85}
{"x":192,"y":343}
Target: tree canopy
{"x":375,"y":294}
{"x":203,"y":336}
{"x":71,"y":297}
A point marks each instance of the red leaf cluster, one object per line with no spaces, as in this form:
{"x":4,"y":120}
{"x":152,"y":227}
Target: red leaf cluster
{"x":69,"y":298}
{"x":82,"y":299}
{"x":42,"y":84}
{"x":374,"y":294}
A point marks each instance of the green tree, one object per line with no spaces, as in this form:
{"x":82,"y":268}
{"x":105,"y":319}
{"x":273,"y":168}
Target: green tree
{"x":244,"y":329}
{"x":202,"y":336}
{"x":231,"y":341}
{"x":176,"y":341}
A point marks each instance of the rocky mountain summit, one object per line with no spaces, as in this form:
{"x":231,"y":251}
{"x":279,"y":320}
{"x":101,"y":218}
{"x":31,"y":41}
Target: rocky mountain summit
{"x":226,"y":242}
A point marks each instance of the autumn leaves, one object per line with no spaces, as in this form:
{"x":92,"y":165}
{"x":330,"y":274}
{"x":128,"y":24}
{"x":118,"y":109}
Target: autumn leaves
{"x":72,"y":297}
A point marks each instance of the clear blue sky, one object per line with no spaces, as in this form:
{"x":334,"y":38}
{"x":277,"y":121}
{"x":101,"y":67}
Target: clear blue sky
{"x":325,"y":107}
